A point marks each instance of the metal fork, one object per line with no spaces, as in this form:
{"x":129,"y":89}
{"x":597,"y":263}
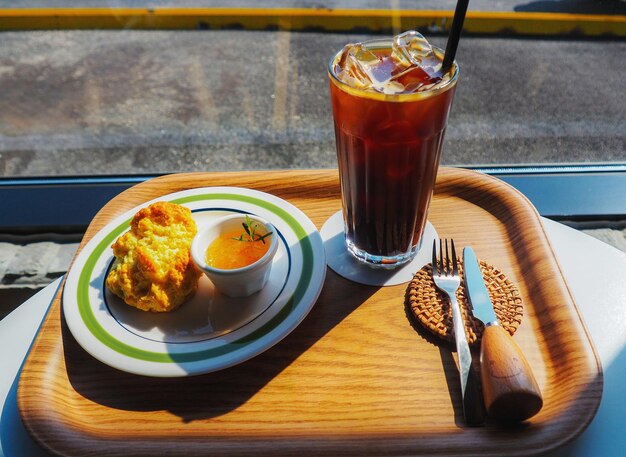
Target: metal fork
{"x":447,"y":279}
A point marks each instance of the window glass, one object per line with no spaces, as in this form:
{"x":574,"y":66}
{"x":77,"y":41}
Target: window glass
{"x":143,"y":97}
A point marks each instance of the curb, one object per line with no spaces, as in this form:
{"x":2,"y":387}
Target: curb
{"x":310,"y":19}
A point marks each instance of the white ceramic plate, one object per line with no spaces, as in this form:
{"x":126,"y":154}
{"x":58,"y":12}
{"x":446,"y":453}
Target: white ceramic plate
{"x":211,"y":331}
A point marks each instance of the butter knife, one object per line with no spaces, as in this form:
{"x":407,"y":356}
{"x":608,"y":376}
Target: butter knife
{"x":510,"y":390}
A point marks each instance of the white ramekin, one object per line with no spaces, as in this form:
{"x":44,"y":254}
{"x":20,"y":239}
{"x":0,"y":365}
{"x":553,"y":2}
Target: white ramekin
{"x":236,"y":282}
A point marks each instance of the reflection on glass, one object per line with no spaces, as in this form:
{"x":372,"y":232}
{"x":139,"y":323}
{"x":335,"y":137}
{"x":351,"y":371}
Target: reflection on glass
{"x":253,"y":96}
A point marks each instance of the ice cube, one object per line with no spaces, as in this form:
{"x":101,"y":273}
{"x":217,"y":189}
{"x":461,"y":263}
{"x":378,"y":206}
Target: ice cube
{"x":410,"y":66}
{"x":383,"y":75}
{"x":413,"y":50}
{"x":355,"y":66}
{"x":414,"y":80}
{"x":361,"y":68}
{"x":382,"y":71}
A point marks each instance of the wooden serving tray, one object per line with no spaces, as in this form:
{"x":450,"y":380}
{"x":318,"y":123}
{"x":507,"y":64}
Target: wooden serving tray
{"x":356,"y":378}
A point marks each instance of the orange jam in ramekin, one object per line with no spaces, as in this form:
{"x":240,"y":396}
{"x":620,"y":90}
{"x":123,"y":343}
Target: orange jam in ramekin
{"x":227,"y":252}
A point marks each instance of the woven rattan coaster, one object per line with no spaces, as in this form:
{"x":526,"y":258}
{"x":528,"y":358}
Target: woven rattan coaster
{"x":432,"y":309}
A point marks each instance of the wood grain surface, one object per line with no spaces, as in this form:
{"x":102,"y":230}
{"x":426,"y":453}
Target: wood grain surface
{"x":356,"y":378}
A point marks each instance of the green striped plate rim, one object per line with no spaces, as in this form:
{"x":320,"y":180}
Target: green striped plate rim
{"x":96,"y":329}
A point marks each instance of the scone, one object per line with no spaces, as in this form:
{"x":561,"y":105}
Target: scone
{"x":153,"y":269}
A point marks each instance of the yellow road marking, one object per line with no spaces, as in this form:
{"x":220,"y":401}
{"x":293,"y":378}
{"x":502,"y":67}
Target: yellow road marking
{"x":339,"y":20}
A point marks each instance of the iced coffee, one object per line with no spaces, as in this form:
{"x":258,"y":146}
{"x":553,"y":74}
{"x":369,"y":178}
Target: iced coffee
{"x":390,"y":100}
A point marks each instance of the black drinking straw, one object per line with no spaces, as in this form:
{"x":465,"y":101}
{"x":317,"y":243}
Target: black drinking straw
{"x":455,"y":34}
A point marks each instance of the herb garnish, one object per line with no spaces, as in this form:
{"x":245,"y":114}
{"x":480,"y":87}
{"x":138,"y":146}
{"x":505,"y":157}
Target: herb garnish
{"x":250,"y":229}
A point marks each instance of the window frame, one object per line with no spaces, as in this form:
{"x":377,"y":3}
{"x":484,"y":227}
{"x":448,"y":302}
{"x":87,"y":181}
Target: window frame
{"x":583,"y":192}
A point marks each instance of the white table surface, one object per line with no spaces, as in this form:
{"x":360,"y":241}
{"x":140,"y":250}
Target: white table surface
{"x":595,"y":273}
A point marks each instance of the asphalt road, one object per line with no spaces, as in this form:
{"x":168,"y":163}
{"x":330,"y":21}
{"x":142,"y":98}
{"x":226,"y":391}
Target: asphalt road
{"x":84,"y":102}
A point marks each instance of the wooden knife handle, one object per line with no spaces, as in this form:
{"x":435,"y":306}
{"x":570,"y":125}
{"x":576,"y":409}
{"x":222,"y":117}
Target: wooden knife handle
{"x":509,"y":387}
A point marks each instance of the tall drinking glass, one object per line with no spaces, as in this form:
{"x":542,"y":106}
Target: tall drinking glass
{"x":389,"y":141}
